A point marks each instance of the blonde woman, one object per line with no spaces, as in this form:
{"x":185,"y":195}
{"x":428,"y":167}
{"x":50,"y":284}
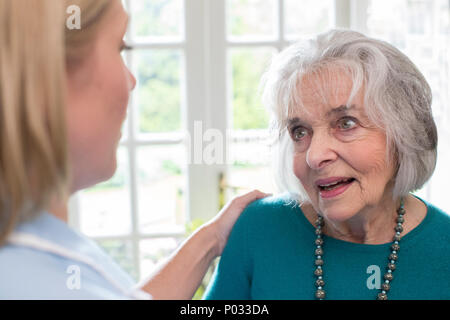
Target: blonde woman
{"x":63,"y":99}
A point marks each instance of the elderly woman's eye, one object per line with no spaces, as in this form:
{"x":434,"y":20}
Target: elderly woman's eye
{"x":346,"y":123}
{"x":298,"y":133}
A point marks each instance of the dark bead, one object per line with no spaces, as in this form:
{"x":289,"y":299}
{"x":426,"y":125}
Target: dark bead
{"x":318,"y":252}
{"x":319,"y":262}
{"x":388,"y":276}
{"x":391,"y":266}
{"x":319,"y":242}
{"x":393,"y":256}
{"x":397,"y":237}
{"x":398,"y":228}
{"x":400,"y":219}
{"x":320,"y":294}
{"x":320,"y":283}
{"x":318,"y":272}
{"x":395,"y":247}
{"x":385,"y":286}
{"x":318,"y":231}
{"x":382,"y":296}
{"x":319,"y":223}
{"x":401,"y":211}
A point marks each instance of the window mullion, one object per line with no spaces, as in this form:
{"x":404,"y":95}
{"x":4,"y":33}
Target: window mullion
{"x":217,"y":87}
{"x":342,"y":14}
{"x":131,"y":149}
{"x":358,"y":15}
{"x":281,"y":39}
{"x":199,"y":90}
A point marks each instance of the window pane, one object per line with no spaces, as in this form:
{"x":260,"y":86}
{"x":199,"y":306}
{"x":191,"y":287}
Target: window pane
{"x":250,"y":167}
{"x":252,"y":19}
{"x":156,"y":19}
{"x":154,"y":252}
{"x":158,"y":95}
{"x":105,"y":208}
{"x":387,"y":20}
{"x":248,"y":65}
{"x":307,"y":17}
{"x":161,"y":188}
{"x":418,"y":22}
{"x":122,"y":253}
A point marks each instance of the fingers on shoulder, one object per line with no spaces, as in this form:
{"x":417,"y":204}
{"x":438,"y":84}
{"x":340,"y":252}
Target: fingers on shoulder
{"x":250,"y":197}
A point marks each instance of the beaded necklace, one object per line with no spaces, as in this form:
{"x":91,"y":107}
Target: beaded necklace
{"x":393,"y":256}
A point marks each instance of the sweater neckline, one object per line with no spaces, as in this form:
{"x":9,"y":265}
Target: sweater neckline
{"x":407,"y":240}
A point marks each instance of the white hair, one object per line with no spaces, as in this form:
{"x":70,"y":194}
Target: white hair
{"x":397,"y":98}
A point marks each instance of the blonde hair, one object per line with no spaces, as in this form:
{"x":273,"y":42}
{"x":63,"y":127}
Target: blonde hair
{"x":36,"y":49}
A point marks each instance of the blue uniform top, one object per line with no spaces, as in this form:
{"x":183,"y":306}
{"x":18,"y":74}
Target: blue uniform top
{"x":46,"y":259}
{"x":270,"y":255}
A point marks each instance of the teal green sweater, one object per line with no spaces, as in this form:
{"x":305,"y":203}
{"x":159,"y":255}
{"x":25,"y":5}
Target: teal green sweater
{"x":270,"y":255}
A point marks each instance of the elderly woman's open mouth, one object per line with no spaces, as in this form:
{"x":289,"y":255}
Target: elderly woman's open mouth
{"x":333,"y":186}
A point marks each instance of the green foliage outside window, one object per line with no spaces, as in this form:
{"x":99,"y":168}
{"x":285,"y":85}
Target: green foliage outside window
{"x":248,"y":66}
{"x":159,"y":91}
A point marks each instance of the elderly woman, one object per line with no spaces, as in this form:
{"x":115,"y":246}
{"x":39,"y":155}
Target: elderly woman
{"x":356,"y":136}
{"x":63,"y":100}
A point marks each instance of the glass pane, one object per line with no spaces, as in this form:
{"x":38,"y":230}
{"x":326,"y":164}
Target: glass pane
{"x":161,"y":188}
{"x":252,"y":19}
{"x":307,"y":17}
{"x":387,"y":20}
{"x":155,"y":251}
{"x":250,"y":168}
{"x":155,"y":20}
{"x":157,"y":94}
{"x":248,"y":65}
{"x":438,"y":194}
{"x":122,"y":253}
{"x":418,"y":22}
{"x":105,"y":207}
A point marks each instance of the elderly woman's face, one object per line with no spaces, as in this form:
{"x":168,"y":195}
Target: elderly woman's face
{"x":339,"y":155}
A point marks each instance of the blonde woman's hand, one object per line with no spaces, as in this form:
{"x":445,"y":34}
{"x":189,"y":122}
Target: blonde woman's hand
{"x":223,"y":222}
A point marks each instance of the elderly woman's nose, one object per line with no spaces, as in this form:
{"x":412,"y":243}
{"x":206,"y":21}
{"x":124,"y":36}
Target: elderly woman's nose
{"x":320,"y":152}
